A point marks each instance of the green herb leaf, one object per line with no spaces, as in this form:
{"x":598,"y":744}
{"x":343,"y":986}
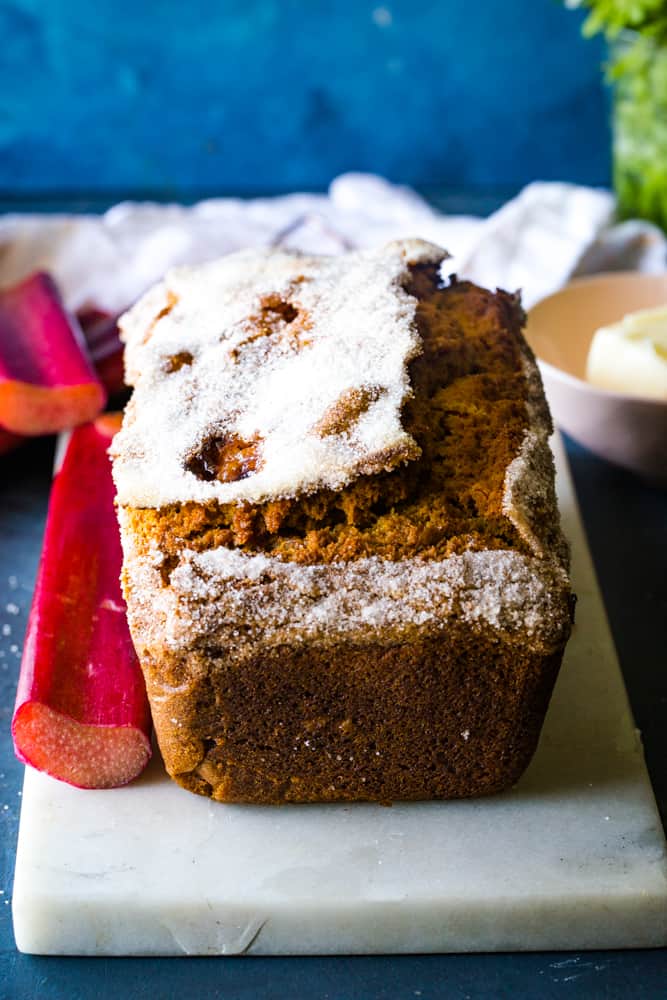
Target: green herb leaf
{"x":613,"y":16}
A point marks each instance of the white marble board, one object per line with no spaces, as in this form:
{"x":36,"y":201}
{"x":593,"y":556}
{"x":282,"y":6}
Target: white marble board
{"x":574,"y":857}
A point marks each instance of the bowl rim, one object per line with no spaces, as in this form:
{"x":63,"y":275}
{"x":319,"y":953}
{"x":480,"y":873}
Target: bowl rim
{"x":574,"y":380}
{"x":596,"y":390}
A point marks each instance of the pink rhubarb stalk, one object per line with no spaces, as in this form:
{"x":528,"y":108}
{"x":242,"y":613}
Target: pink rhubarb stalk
{"x":105,"y":348}
{"x":81,"y":709}
{"x":47,"y":382}
{"x":111,"y":372}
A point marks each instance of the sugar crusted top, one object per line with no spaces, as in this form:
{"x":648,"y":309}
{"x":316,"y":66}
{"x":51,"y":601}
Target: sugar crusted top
{"x":266,"y":374}
{"x":242,"y":601}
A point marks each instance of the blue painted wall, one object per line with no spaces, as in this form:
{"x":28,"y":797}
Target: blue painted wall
{"x":256,"y":95}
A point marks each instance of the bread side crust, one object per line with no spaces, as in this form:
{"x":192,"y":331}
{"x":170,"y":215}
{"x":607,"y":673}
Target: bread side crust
{"x":230,"y":597}
{"x":529,"y":498}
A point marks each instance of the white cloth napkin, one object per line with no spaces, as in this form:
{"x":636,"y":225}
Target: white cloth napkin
{"x":549,"y":233}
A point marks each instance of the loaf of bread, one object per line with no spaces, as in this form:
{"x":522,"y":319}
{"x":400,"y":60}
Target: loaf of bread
{"x":343,"y":563}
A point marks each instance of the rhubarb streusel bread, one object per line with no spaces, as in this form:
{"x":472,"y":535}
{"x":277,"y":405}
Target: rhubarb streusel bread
{"x":343,"y":562}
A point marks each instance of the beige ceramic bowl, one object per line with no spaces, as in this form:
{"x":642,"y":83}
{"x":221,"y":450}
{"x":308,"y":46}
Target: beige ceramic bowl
{"x":624,"y":429}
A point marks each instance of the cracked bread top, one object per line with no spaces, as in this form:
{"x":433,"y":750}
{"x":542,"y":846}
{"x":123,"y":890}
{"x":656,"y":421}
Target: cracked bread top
{"x":265,"y":375}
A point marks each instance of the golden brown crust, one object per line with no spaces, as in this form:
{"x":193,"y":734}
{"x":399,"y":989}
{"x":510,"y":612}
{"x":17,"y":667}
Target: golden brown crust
{"x":422,"y":720}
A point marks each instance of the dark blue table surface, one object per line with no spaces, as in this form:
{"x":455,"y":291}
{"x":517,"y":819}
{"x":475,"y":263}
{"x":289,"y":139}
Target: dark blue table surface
{"x":626,"y":522}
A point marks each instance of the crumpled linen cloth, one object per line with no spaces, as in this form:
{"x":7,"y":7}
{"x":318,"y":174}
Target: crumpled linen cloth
{"x":547,"y":234}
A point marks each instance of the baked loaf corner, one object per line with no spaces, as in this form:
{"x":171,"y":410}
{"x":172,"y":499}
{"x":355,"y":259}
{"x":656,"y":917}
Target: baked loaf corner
{"x":343,"y":563}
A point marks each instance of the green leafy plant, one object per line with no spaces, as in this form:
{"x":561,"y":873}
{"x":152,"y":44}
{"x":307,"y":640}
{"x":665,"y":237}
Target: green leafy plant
{"x":637,"y":34}
{"x":613,"y":16}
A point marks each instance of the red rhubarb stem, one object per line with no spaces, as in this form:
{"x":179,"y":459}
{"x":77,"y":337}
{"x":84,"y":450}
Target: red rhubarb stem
{"x":105,"y":348}
{"x":47,"y":382}
{"x":111,"y":372}
{"x":101,"y":332}
{"x":81,"y":709}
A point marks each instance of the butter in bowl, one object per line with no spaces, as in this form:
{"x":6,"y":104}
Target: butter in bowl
{"x":631,"y":356}
{"x":601,"y":343}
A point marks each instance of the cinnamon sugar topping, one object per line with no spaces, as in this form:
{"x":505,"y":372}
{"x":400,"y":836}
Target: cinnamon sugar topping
{"x":281,"y":344}
{"x":343,"y":414}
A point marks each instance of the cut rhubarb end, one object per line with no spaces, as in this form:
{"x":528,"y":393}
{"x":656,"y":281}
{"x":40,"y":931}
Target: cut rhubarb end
{"x":82,"y":755}
{"x":31,"y":410}
{"x":109,"y":423}
{"x":47,"y":382}
{"x":81,"y":713}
